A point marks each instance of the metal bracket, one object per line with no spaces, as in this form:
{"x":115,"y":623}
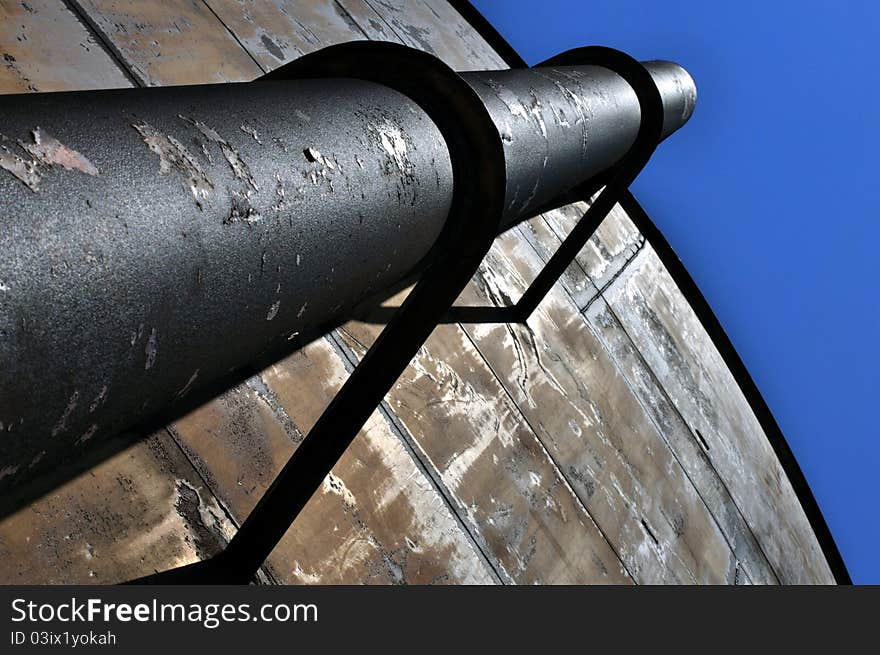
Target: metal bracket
{"x":479,"y":179}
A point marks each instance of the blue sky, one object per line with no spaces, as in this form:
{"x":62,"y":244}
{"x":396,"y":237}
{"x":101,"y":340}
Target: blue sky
{"x":769,"y":196}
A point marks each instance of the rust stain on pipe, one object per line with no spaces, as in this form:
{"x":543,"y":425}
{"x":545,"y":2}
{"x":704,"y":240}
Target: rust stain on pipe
{"x":47,"y":151}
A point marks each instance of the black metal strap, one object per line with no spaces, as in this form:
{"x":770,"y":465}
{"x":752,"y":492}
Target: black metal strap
{"x":478,"y":198}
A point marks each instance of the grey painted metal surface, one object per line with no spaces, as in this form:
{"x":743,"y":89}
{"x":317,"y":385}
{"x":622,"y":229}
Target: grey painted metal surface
{"x":154,"y":240}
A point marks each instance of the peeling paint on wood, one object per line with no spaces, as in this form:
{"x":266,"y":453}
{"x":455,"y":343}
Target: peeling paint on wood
{"x":377,"y":518}
{"x":676,"y":347}
{"x":239,"y":442}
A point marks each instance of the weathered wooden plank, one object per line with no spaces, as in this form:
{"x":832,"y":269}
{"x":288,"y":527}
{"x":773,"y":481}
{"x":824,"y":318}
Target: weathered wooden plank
{"x":498,"y":473}
{"x":434,"y":26}
{"x":564,"y":382}
{"x":45,"y":48}
{"x":688,"y":447}
{"x":679,"y":352}
{"x":278,"y":31}
{"x":378,"y":518}
{"x":237,"y":444}
{"x":144,"y":509}
{"x":172,"y":42}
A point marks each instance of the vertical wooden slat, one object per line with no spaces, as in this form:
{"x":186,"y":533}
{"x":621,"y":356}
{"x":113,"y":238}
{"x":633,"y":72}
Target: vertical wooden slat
{"x":170,"y":42}
{"x":607,"y":253}
{"x":669,"y":336}
{"x":688,"y":447}
{"x":538,"y":233}
{"x":43,"y":47}
{"x":614,"y":243}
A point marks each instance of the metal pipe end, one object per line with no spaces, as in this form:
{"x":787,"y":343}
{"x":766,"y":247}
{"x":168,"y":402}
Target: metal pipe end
{"x":678,"y":90}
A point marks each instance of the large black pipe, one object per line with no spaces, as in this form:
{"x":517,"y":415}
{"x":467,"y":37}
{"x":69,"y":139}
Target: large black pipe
{"x":153,"y":240}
